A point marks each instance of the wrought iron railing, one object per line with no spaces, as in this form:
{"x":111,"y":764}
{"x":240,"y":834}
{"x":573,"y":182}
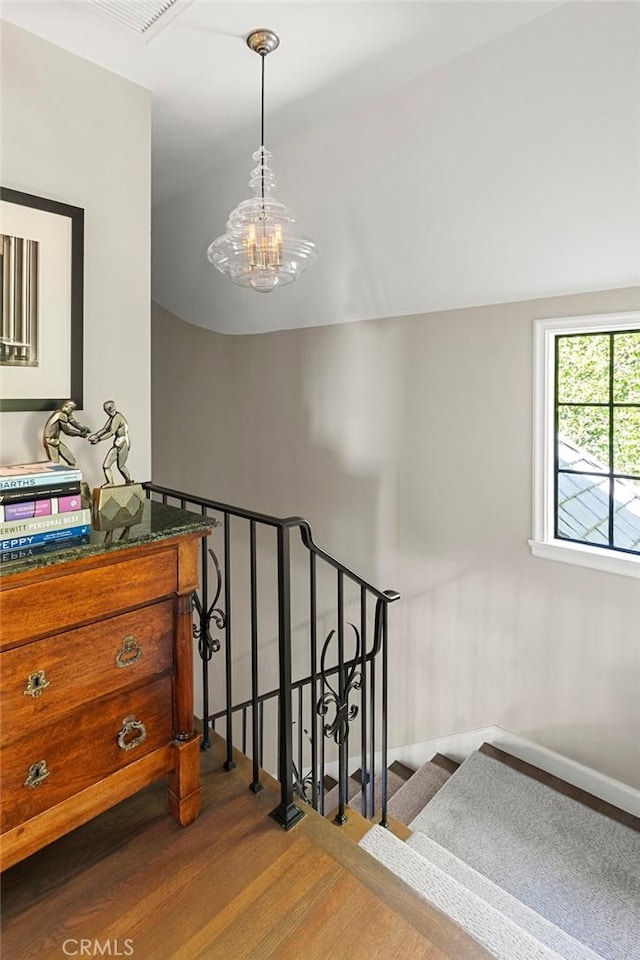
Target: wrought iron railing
{"x":325,"y":700}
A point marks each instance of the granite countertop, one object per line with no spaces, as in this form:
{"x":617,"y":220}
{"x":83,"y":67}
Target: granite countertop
{"x":158,"y":522}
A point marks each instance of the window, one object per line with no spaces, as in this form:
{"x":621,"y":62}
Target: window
{"x":587,"y":442}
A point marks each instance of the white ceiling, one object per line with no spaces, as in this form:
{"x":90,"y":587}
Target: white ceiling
{"x":334,"y":56}
{"x":442,"y":154}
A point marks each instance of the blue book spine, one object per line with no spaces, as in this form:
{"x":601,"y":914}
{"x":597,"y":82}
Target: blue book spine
{"x":24,"y":553}
{"x":58,"y":535}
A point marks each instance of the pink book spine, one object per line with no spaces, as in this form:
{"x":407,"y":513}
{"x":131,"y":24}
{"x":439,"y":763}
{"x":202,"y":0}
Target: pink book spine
{"x":25,"y":509}
{"x":69,"y":504}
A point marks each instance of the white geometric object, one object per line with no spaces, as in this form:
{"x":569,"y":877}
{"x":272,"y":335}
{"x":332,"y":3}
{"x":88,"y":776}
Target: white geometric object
{"x":144,"y":17}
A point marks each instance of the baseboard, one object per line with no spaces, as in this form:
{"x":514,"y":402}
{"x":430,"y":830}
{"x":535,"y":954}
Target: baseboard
{"x":458,"y":746}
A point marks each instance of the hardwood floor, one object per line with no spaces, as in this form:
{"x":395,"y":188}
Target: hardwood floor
{"x":231,"y":886}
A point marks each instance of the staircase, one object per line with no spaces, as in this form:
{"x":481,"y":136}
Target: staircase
{"x":531,"y":867}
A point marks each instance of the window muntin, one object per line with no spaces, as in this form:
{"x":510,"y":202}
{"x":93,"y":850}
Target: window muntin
{"x":596,"y":472}
{"x":583,"y":389}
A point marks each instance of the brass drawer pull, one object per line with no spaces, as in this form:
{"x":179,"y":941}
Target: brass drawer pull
{"x":129,"y":653}
{"x":36,"y":683}
{"x":128,"y":724}
{"x":37,"y":775}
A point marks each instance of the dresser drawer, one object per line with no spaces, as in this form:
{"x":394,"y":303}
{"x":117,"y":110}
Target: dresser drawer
{"x":45,"y":679}
{"x":82,"y":749}
{"x":53,"y":604}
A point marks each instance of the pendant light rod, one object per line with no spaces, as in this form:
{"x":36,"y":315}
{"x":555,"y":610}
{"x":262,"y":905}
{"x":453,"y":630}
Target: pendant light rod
{"x":262,"y":107}
{"x":262,"y":42}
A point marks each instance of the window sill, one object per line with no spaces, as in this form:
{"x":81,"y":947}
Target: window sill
{"x":625,"y":564}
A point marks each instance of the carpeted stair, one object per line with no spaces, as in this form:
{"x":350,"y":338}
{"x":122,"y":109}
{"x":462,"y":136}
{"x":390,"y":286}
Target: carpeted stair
{"x":412,"y":796}
{"x":530,"y":872}
{"x":395,"y":781}
{"x":500,"y":934}
{"x":407,"y":790}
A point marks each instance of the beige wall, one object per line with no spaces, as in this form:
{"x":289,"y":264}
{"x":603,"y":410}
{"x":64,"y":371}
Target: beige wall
{"x":76,"y":133}
{"x":407,"y":444}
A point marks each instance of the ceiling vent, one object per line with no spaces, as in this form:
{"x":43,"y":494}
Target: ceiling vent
{"x":145,"y":18}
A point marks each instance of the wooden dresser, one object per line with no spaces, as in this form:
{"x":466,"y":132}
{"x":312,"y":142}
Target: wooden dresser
{"x":96,"y":658}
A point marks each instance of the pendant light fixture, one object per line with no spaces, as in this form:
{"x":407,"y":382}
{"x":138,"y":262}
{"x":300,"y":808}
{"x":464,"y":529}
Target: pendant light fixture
{"x":261,"y":248}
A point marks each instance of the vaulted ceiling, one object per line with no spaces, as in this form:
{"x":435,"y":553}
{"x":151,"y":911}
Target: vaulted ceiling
{"x":442,"y":154}
{"x":333,"y":57}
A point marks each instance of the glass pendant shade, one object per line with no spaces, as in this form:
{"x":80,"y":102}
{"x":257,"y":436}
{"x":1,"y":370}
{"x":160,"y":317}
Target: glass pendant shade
{"x":261,"y":248}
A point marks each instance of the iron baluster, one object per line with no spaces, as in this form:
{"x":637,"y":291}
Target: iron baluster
{"x":363,"y":701}
{"x":198,"y":633}
{"x":286,"y":813}
{"x":338,"y":728}
{"x":207,"y":644}
{"x":256,"y":786}
{"x":314,"y":680}
{"x":342,"y":758}
{"x":303,"y":783}
{"x":228,"y":764}
{"x":349,"y":678}
{"x":372,"y":702}
{"x":322,"y":773}
{"x":261,"y":753}
{"x":300,"y":761}
{"x":244,"y":730}
{"x":383,"y":789}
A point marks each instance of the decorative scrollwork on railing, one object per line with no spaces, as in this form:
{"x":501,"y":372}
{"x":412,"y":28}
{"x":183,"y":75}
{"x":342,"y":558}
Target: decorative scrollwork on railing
{"x":302,"y":785}
{"x":338,"y":728}
{"x":208,"y":645}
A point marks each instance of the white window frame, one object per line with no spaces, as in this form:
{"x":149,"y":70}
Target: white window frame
{"x":543,"y":542}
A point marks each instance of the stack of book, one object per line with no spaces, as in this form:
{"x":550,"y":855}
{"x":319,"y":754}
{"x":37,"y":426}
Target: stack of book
{"x":41,"y":509}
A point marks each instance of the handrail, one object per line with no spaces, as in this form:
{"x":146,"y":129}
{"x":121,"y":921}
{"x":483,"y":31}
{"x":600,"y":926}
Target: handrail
{"x":330,"y":701}
{"x":389,"y":596}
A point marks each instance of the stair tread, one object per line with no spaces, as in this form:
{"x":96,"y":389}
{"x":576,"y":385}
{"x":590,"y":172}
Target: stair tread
{"x":354,"y":791}
{"x":401,"y":770}
{"x":561,"y":858}
{"x":394,"y":784}
{"x":445,"y":762}
{"x":407,"y":803}
{"x":548,"y":933}
{"x":504,"y":937}
{"x":562,"y":786}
